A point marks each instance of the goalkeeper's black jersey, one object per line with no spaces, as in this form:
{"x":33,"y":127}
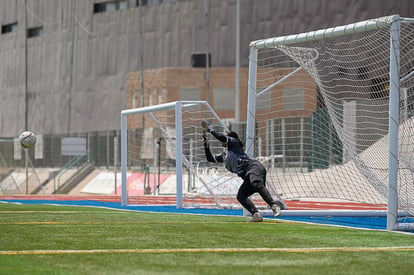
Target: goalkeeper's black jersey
{"x":234,"y":158}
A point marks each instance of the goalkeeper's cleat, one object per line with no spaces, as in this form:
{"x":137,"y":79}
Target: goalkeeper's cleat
{"x":276,"y":210}
{"x":257,"y":217}
{"x":281,"y":205}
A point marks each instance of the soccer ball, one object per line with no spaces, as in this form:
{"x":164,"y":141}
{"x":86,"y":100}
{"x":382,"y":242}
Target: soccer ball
{"x":27,"y":139}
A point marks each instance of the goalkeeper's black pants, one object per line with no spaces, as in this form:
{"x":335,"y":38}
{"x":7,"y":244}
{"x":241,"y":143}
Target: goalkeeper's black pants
{"x":254,"y":182}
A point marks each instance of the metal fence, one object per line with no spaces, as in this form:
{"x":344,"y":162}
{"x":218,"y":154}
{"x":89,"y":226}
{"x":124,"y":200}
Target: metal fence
{"x":100,"y":150}
{"x":27,"y":171}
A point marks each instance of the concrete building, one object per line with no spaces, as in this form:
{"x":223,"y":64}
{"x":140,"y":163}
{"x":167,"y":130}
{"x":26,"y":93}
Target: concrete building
{"x":65,"y":63}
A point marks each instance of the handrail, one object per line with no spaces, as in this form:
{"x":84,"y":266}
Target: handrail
{"x":64,"y":169}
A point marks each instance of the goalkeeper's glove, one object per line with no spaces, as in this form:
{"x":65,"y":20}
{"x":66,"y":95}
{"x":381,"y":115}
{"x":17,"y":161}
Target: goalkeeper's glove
{"x":204,"y":127}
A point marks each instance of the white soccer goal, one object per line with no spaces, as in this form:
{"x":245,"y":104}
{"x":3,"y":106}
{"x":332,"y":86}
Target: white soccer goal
{"x":332,"y":113}
{"x":163,"y":143}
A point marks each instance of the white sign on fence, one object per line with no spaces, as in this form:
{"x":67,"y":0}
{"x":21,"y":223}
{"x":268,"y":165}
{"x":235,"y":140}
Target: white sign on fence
{"x":73,"y":147}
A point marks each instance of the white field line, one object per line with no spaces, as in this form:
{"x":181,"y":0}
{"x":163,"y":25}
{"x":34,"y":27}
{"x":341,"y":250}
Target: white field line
{"x":212,"y":250}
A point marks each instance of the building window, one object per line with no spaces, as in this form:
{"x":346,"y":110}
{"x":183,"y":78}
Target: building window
{"x":134,"y":100}
{"x":110,"y":6}
{"x":8,"y":28}
{"x":263,"y":101}
{"x":224,"y":98}
{"x":293,"y":99}
{"x":159,"y":96}
{"x":99,"y":7}
{"x":153,"y":2}
{"x":150,"y":97}
{"x":190,"y":94}
{"x":142,"y":2}
{"x":34,"y":32}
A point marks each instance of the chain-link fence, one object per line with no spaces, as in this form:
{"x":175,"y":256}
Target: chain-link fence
{"x":55,"y":160}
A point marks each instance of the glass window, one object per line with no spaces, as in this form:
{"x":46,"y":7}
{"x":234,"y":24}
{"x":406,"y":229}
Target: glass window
{"x":34,"y":32}
{"x":190,"y":94}
{"x":134,"y":100}
{"x":263,"y":101}
{"x":142,"y":2}
{"x":159,"y":96}
{"x":99,"y":7}
{"x":293,"y":99}
{"x":150,"y":97}
{"x":110,"y":6}
{"x":152,"y":2}
{"x":9,"y":28}
{"x":123,"y":5}
{"x":224,"y":98}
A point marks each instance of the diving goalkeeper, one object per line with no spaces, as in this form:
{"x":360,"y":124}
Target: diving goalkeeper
{"x":249,"y":169}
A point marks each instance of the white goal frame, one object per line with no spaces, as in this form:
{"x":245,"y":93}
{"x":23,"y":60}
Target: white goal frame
{"x":394,"y":23}
{"x":178,"y":107}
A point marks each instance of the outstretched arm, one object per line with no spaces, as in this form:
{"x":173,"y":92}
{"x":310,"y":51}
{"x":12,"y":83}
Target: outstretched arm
{"x":209,"y":155}
{"x":205,"y":128}
{"x":221,"y":137}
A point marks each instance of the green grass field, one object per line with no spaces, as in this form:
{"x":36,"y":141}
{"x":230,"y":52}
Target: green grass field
{"x":42,"y":239}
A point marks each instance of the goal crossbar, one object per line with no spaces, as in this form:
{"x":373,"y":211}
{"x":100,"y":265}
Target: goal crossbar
{"x":326,"y":33}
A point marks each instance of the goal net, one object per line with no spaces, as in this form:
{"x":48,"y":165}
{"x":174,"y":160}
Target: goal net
{"x":162,"y":153}
{"x":331,"y":113}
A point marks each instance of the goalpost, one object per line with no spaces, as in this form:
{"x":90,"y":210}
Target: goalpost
{"x":162,"y":145}
{"x":331,"y":112}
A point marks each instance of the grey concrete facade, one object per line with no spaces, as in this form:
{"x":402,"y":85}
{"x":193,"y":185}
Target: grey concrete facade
{"x":72,"y":76}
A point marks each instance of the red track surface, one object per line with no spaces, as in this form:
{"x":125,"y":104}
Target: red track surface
{"x":170,"y":200}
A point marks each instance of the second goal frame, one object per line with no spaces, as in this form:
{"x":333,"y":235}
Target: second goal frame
{"x":172,"y":118}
